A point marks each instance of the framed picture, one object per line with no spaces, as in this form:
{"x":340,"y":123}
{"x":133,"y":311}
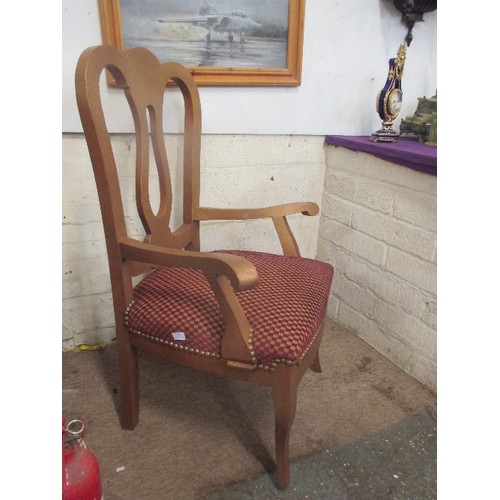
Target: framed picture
{"x":222,"y":42}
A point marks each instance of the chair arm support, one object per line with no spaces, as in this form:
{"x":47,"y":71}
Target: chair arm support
{"x":277,"y":213}
{"x":240,"y":272}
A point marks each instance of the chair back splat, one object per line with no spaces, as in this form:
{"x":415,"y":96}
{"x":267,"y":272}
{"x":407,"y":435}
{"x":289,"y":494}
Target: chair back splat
{"x":237,"y":313}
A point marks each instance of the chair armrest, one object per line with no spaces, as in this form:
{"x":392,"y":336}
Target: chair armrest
{"x":209,"y":213}
{"x":240,"y":272}
{"x":225,"y":273}
{"x":277,"y":213}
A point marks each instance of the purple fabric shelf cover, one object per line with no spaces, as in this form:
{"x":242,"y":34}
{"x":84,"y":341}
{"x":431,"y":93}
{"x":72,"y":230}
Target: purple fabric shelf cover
{"x":405,"y":151}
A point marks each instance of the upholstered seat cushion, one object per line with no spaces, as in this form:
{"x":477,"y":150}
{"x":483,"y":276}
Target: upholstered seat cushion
{"x":177,"y":307}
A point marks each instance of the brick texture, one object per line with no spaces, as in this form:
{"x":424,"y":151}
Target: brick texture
{"x":378,"y":229}
{"x":237,"y":171}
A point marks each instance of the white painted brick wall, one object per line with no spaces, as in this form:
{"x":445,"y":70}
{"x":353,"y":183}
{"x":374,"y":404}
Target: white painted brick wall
{"x":378,"y":229}
{"x":237,"y":171}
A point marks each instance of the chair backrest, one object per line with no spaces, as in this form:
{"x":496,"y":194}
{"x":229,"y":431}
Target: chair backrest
{"x":143,"y":79}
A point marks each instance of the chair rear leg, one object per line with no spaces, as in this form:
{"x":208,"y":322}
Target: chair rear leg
{"x":129,"y":384}
{"x":316,"y":365}
{"x":285,"y":403}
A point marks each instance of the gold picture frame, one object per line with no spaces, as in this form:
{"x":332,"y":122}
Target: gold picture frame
{"x":226,"y":75}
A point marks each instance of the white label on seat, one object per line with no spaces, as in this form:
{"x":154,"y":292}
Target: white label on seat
{"x":179,"y":335}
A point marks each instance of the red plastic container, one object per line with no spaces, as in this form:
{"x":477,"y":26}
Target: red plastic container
{"x":80,"y":469}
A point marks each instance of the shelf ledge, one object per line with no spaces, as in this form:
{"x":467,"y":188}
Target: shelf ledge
{"x":405,"y":151}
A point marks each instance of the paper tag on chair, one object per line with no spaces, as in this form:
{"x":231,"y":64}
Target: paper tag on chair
{"x":179,"y":335}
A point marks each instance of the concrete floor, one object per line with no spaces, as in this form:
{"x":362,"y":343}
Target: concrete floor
{"x":364,"y":429}
{"x":396,"y":463}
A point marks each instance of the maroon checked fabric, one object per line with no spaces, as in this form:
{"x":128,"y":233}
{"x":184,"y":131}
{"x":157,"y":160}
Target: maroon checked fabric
{"x":285,"y":309}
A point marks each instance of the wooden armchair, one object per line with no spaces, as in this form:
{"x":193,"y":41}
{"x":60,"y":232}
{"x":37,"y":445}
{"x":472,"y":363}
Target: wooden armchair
{"x":242,"y":314}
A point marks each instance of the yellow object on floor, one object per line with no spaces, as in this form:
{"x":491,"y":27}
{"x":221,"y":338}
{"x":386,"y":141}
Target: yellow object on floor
{"x":88,"y":347}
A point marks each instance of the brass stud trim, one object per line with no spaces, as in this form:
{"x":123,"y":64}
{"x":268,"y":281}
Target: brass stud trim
{"x":261,"y":366}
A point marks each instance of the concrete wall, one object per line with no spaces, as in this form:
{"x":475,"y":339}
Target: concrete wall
{"x":237,"y":171}
{"x":378,"y":229}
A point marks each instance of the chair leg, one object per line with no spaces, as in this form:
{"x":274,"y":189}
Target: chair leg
{"x":316,"y":365}
{"x":129,"y":385}
{"x":285,"y":403}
